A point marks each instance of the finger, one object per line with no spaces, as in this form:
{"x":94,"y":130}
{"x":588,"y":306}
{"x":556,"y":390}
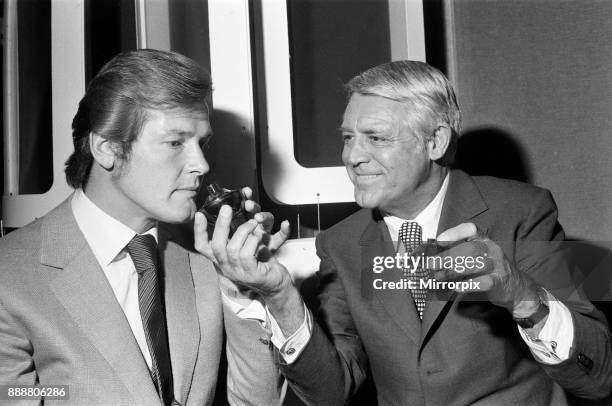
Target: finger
{"x":474,"y":285}
{"x":236,"y":243}
{"x":462,"y":272}
{"x":252,"y":206}
{"x":465,"y":249}
{"x":201,"y":243}
{"x":280,"y":236}
{"x":461,"y":232}
{"x":220,"y":234}
{"x":246,"y":192}
{"x":484,"y":283}
{"x":468,"y":257}
{"x":266,"y":219}
{"x":248,"y":253}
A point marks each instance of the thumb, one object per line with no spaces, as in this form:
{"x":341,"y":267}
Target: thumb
{"x":200,"y":236}
{"x":280,"y":236}
{"x":461,"y":232}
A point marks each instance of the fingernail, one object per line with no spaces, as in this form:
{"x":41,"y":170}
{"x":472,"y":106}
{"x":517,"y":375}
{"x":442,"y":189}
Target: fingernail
{"x":225,"y":210}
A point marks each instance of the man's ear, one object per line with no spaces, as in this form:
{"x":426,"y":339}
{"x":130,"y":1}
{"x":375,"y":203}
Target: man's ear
{"x":102,"y":151}
{"x":439,"y":142}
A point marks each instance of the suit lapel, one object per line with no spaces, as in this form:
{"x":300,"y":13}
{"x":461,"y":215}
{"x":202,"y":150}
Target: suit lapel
{"x":181,"y":316}
{"x":376,"y":241}
{"x":462,"y":203}
{"x":85,"y":293}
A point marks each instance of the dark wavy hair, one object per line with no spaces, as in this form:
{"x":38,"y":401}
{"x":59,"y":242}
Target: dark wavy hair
{"x":117,"y":99}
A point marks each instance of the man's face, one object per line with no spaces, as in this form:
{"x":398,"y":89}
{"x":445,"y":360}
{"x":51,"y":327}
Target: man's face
{"x":162,"y":174}
{"x":387,"y":162}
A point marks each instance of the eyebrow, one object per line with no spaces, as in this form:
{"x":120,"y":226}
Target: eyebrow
{"x":179,"y":131}
{"x":187,"y":133}
{"x":368,"y":126}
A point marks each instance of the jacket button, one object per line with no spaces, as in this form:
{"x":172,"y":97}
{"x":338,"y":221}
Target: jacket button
{"x":290,"y":351}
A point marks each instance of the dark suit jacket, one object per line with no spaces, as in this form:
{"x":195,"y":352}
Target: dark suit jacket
{"x":465,"y":351}
{"x":60,"y":324}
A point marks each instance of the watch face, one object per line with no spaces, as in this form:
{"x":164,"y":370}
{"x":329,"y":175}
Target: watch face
{"x":535,"y":318}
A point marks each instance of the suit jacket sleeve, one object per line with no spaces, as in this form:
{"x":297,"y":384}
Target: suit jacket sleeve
{"x":16,"y":362}
{"x":253,"y":378}
{"x":542,"y":253}
{"x":333,"y":364}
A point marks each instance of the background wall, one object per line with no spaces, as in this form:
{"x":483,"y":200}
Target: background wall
{"x":534,"y":83}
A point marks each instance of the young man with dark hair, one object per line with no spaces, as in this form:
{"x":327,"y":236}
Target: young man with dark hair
{"x":98,"y":295}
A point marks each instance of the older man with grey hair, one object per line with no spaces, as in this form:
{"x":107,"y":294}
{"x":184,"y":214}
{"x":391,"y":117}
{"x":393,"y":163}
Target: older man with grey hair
{"x":487,"y":323}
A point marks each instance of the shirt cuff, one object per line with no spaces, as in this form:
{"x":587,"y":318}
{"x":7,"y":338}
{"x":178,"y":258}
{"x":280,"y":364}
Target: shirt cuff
{"x":291,"y":348}
{"x":246,"y":309}
{"x":554,"y":342}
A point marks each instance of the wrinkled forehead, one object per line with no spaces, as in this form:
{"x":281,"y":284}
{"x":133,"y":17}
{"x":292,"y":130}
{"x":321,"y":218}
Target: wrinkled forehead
{"x":365,"y":111}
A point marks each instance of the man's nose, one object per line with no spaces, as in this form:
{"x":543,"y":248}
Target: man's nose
{"x":355,"y":152}
{"x":197,"y":161}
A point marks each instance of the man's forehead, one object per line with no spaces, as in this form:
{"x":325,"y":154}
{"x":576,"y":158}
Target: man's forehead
{"x":364,"y":110}
{"x":181,"y":112}
{"x":177,"y":114}
{"x":182,"y":121}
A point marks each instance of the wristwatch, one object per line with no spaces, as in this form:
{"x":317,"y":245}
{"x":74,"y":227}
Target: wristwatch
{"x":538,"y":315}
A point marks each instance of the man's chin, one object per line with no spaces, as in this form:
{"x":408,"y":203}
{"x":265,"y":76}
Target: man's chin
{"x":365,"y":201}
{"x":180,"y":216}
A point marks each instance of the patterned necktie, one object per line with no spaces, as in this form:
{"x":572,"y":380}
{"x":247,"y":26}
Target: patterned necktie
{"x":143,"y":250}
{"x":411,"y":236}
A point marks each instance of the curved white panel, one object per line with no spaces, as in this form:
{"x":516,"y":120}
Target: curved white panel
{"x":284,"y":179}
{"x":230,"y":66}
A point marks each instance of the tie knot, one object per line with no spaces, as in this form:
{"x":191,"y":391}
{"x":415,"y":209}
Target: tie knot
{"x":143,"y":250}
{"x":411,"y":235}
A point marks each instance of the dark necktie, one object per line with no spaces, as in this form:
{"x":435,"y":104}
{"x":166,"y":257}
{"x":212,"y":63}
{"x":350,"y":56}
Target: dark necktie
{"x":411,"y":236}
{"x":143,"y":250}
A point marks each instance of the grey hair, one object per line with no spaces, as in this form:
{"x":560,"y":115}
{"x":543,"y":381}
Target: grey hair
{"x":427,"y":93}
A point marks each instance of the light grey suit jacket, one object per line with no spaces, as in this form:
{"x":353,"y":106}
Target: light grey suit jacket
{"x":60,"y":324}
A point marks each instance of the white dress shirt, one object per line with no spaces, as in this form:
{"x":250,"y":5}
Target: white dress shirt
{"x":107,"y":238}
{"x":551,"y":346}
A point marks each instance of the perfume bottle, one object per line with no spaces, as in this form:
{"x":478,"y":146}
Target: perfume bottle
{"x":217,"y":197}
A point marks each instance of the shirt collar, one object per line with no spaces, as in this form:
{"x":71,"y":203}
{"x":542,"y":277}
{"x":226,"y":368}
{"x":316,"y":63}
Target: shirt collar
{"x":106,"y":236}
{"x":428,"y":218}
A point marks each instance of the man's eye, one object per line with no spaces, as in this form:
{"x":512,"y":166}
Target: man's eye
{"x":175,"y":144}
{"x":376,"y":140}
{"x":346,"y":138}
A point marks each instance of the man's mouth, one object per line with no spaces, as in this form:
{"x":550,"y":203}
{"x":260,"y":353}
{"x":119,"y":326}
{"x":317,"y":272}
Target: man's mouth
{"x":366,"y":178}
{"x":191,"y":191}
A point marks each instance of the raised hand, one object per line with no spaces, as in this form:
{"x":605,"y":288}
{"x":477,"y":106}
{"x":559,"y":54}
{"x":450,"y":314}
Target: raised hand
{"x":503,"y":284}
{"x":247,"y":258}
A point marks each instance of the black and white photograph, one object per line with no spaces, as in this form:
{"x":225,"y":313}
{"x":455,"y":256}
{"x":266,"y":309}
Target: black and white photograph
{"x":306,"y":202}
